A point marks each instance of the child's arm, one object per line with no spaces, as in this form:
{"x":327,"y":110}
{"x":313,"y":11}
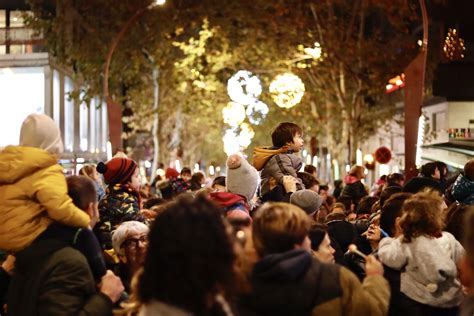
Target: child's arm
{"x":281,"y":167}
{"x":391,"y":253}
{"x":51,"y":192}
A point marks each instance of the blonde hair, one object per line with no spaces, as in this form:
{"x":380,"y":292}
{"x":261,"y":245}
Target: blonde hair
{"x":88,"y":171}
{"x":422,"y":215}
{"x":278,"y":227}
{"x":357,"y":171}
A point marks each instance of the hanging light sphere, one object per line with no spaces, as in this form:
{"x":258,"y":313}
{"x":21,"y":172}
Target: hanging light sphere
{"x":287,"y":90}
{"x":256,"y":112}
{"x":246,"y":135}
{"x":231,"y":143}
{"x":244,"y":87}
{"x":233,"y":114}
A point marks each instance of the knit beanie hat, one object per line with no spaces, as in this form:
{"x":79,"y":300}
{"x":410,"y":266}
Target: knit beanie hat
{"x":117,"y":170}
{"x":171,"y":173}
{"x":309,"y":201}
{"x":242,"y":178}
{"x":40,"y":131}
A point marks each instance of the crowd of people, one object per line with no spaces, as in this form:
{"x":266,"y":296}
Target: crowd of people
{"x":265,"y":239}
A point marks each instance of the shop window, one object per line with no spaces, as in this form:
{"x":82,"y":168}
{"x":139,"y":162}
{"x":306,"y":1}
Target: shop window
{"x":12,"y":93}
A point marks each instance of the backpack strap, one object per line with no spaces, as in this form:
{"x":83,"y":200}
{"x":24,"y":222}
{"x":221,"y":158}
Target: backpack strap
{"x":280,"y":165}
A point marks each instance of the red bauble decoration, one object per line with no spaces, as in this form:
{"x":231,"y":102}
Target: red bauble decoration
{"x":383,"y":155}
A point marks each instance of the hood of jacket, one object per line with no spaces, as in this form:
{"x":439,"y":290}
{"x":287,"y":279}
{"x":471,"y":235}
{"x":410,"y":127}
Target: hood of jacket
{"x":463,"y":190}
{"x":291,"y":283}
{"x":285,"y":267}
{"x":226,"y":199}
{"x":262,"y":154}
{"x":348,"y":179}
{"x":16,"y":162}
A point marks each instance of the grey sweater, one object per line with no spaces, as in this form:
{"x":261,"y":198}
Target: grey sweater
{"x":429,"y":268}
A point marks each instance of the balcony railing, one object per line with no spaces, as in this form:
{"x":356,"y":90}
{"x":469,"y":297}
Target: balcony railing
{"x":19,"y":35}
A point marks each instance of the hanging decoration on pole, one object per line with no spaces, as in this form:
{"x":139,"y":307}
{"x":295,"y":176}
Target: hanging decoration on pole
{"x":287,"y":90}
{"x":244,"y":87}
{"x":383,"y":155}
{"x":233,"y":114}
{"x":256,"y":112}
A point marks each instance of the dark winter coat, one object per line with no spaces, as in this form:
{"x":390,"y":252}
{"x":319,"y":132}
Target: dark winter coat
{"x":121,"y":203}
{"x":353,"y":188}
{"x":463,"y":190}
{"x":295,"y":283}
{"x":51,"y":278}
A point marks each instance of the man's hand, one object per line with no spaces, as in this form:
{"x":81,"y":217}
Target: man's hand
{"x":112,"y":286}
{"x":289,"y":182}
{"x":9,"y":264}
{"x":373,"y":266}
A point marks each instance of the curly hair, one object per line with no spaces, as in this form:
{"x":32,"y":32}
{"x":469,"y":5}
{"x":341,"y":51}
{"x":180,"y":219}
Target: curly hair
{"x":190,"y":256}
{"x":422,"y":215}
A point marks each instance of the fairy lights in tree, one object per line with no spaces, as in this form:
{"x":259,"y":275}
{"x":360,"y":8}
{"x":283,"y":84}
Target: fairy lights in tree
{"x":453,"y":45}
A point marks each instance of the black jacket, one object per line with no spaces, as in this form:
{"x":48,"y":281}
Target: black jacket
{"x":291,"y":283}
{"x":51,"y":278}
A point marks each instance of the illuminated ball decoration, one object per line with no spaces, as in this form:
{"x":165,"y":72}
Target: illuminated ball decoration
{"x":287,"y":90}
{"x":256,"y":112}
{"x":246,"y":135}
{"x":231,"y":143}
{"x":233,"y":114}
{"x":244,"y":87}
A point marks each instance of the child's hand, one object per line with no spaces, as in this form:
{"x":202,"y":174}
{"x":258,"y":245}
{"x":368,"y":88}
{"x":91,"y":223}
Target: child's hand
{"x":289,"y":183}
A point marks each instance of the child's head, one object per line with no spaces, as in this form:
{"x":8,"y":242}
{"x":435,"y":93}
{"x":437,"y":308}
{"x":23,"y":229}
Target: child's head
{"x":357,"y":171}
{"x":430,"y":170}
{"x":40,"y":131}
{"x":82,"y":191}
{"x":185,"y":174}
{"x":422,"y":216}
{"x":120,"y":171}
{"x":288,"y":134}
{"x":89,"y":170}
{"x":279,"y":227}
{"x":469,"y":169}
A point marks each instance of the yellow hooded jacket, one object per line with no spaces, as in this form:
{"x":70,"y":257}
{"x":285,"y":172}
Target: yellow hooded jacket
{"x":33,"y":194}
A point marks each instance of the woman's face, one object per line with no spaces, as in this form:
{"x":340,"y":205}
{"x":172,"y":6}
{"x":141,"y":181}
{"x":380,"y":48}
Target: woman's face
{"x":134,"y":247}
{"x":135,"y":180}
{"x":373,"y":232}
{"x":325,"y":252}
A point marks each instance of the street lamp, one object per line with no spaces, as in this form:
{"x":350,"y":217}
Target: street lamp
{"x":114,"y":111}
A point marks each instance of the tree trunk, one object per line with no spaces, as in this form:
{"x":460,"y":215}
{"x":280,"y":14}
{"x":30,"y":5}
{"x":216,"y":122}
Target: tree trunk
{"x":156,"y":122}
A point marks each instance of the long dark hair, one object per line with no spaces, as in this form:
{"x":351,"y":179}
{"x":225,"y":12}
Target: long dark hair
{"x":190,"y":256}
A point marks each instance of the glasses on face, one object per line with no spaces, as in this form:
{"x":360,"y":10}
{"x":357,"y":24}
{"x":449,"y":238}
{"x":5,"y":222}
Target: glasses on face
{"x":132,"y":243}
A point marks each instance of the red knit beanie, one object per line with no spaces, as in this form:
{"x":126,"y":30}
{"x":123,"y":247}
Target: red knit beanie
{"x":171,"y":173}
{"x":117,"y":170}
